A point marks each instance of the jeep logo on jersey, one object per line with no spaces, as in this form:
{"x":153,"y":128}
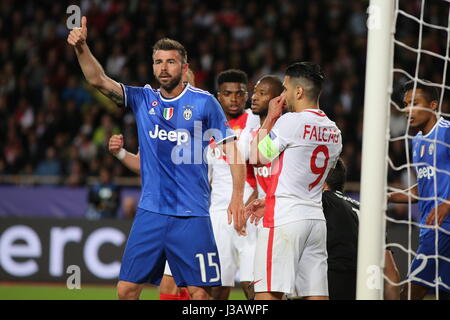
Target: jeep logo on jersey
{"x":168,"y":113}
{"x":161,"y":134}
{"x":425,"y":172}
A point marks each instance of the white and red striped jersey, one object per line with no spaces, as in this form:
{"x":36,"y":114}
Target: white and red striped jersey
{"x":219,"y":170}
{"x":309,"y":145}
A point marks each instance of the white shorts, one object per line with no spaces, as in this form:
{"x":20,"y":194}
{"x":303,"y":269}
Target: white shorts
{"x":236,"y":253}
{"x":292,"y":259}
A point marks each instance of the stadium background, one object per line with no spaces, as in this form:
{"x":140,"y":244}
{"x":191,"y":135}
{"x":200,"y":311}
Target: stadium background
{"x":54,"y":128}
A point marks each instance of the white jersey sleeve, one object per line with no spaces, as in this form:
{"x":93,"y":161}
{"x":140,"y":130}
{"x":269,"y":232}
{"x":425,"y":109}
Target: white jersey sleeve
{"x":281,"y":135}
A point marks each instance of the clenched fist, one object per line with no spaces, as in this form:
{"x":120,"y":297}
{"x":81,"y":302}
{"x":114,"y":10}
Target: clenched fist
{"x":115,"y":144}
{"x":78,"y":36}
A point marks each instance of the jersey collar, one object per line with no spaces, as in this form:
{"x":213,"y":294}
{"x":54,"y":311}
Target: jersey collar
{"x":174,"y":98}
{"x":432,"y":130}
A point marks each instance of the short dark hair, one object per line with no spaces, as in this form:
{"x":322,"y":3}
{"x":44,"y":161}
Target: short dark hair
{"x":311,"y":74}
{"x":275,"y":83}
{"x":336,"y":179}
{"x":430,"y":93}
{"x":232,"y":75}
{"x":167,"y":44}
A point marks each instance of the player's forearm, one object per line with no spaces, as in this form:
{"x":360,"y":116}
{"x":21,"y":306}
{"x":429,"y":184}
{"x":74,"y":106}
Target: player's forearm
{"x":252,"y":197}
{"x":409,"y":195}
{"x":96,"y":76}
{"x":128,"y":159}
{"x":255,"y":157}
{"x":92,"y":69}
{"x":238,"y":172}
{"x":238,"y":169}
{"x":446,"y":206}
{"x":132,"y":162}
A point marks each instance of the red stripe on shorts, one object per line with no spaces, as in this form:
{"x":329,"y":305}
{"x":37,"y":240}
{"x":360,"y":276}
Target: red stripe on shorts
{"x":270,"y":196}
{"x":269,"y":260}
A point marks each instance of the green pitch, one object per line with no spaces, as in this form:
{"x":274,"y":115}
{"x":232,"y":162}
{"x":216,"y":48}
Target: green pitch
{"x":56,"y":292}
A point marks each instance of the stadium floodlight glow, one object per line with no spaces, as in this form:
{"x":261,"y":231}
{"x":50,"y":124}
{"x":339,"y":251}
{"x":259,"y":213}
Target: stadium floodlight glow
{"x":374,"y":150}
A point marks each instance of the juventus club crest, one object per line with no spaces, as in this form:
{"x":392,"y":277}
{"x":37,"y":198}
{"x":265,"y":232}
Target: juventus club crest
{"x":431,"y":149}
{"x":168,"y":113}
{"x":187,"y":114}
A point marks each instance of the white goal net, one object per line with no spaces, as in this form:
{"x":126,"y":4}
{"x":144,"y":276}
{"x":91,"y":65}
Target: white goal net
{"x":420,"y":39}
{"x":408,"y":43}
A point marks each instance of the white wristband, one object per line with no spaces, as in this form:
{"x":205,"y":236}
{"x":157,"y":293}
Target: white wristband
{"x":121,"y":154}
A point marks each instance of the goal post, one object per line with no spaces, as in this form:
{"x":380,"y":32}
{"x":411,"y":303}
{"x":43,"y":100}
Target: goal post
{"x":378,"y":84}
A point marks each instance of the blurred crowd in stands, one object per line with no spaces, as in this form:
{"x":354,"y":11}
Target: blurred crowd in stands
{"x":52,"y":123}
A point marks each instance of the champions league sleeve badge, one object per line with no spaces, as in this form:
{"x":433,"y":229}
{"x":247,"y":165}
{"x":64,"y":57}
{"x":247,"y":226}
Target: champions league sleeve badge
{"x":152,"y":110}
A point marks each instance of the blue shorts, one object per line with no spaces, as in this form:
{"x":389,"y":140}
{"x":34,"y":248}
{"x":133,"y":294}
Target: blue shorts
{"x":423,"y":268}
{"x":187,"y":243}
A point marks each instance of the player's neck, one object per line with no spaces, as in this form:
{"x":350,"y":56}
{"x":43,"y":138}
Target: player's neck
{"x":262,"y":119}
{"x":429,"y":126}
{"x":175,"y":92}
{"x":231,"y":117}
{"x":303,"y":105}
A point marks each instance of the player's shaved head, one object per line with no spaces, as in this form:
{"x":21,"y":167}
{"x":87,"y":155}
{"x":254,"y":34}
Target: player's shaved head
{"x":267,"y":88}
{"x":275,"y":84}
{"x":232,"y":75}
{"x":309,"y":76}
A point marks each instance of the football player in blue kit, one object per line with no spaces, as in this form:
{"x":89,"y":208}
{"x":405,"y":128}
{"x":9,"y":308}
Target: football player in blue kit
{"x":175,"y":125}
{"x":431,"y":160}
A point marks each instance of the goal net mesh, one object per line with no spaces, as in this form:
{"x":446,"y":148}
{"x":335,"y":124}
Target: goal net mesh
{"x":421,"y":40}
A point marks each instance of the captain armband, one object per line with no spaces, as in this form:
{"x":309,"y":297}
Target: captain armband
{"x":268,"y":148}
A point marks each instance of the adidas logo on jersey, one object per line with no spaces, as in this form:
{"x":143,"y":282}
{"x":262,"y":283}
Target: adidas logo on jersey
{"x":425,"y":172}
{"x":161,"y":134}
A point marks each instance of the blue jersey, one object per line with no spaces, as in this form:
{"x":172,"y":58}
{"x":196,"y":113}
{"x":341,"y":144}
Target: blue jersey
{"x":173,"y":135}
{"x":430,"y":152}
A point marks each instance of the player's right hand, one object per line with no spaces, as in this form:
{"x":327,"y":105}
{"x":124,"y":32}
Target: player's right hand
{"x":236,"y":215}
{"x":78,"y":36}
{"x":276,"y":107}
{"x":255,"y":210}
{"x":115,"y":143}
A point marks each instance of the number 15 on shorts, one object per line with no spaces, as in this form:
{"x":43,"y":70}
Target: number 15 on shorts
{"x":211,"y":264}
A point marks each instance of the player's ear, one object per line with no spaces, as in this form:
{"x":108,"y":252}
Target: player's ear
{"x":434,"y":105}
{"x":185,"y":67}
{"x":299,"y":91}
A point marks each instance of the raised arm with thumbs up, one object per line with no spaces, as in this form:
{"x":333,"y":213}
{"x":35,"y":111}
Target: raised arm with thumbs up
{"x":91,"y":68}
